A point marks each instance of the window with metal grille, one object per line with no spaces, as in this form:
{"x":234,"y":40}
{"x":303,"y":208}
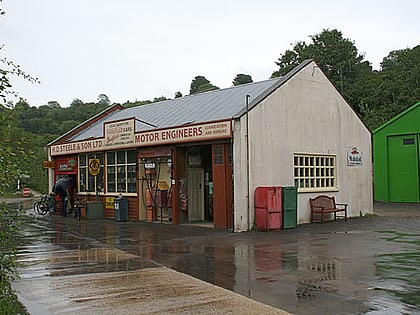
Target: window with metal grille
{"x":315,"y":172}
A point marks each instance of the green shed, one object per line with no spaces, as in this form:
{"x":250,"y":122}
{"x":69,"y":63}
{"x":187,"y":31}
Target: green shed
{"x":396,"y":154}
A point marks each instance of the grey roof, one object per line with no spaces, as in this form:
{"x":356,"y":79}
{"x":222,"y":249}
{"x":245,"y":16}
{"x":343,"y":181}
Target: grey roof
{"x":198,"y":108}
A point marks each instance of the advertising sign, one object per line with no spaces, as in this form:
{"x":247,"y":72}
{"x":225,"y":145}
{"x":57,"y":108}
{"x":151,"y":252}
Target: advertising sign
{"x":121,"y":134}
{"x":94,"y":167}
{"x":354,"y":157}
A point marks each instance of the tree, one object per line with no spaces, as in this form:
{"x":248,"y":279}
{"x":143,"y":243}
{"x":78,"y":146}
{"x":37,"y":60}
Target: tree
{"x":200,"y":84}
{"x":103,"y":99}
{"x":76,"y":102}
{"x":339,"y":59}
{"x":53,"y":104}
{"x":394,"y":88}
{"x":12,"y":150}
{"x":178,"y":94}
{"x":400,"y":77}
{"x":159,"y":99}
{"x":242,"y":79}
{"x":13,"y":163}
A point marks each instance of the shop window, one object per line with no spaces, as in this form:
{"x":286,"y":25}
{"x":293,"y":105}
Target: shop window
{"x":315,"y":172}
{"x":121,"y":171}
{"x":87,"y":181}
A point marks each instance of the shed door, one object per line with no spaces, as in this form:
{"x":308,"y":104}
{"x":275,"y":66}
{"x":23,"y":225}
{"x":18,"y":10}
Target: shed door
{"x":222,"y":186}
{"x":403,"y":168}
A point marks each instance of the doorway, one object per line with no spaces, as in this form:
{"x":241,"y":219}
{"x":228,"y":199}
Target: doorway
{"x":195,"y":194}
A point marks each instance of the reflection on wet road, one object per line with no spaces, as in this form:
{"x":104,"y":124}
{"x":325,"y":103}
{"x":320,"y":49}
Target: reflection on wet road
{"x":364,"y":266}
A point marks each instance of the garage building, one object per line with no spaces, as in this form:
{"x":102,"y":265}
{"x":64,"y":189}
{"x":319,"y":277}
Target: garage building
{"x":396,"y":154}
{"x":201,"y":157}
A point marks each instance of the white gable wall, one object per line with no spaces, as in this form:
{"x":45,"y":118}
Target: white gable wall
{"x":305,"y":115}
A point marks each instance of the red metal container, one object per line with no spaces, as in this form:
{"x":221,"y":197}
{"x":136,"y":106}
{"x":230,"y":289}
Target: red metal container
{"x":268,"y":208}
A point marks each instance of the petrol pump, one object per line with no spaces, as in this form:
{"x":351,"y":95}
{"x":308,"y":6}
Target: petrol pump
{"x":157,"y":188}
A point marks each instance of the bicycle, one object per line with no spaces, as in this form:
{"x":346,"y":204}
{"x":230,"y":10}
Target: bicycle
{"x":44,"y":205}
{"x":77,"y":208}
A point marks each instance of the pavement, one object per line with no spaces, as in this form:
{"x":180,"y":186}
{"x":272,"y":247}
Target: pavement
{"x":367,"y":265}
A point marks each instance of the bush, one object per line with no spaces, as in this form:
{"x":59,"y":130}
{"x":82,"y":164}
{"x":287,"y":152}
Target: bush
{"x":10,"y":220}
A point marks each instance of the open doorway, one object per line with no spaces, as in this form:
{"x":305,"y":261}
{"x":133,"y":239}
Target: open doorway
{"x":199,"y":184}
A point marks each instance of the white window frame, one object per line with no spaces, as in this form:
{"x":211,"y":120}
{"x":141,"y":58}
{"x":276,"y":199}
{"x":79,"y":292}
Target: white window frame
{"x":85,"y":178}
{"x":128,"y":180}
{"x":315,"y":172}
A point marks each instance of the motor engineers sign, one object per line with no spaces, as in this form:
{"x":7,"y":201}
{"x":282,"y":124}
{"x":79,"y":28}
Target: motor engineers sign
{"x":120,"y":134}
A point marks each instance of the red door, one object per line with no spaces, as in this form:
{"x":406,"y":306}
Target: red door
{"x":222,"y":186}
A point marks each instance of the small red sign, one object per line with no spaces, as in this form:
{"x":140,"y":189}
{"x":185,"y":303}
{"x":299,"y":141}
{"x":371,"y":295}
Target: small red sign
{"x":26,"y":192}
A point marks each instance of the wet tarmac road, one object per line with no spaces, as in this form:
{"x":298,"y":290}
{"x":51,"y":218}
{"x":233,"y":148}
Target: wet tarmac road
{"x":362,"y":266}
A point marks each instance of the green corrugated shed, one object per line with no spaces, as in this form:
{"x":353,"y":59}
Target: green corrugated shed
{"x":396,"y":152}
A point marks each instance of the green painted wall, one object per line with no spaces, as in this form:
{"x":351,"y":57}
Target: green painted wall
{"x":396,"y":158}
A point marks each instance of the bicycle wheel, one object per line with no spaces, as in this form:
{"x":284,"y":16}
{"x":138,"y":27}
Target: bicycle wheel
{"x":43,"y":208}
{"x":77,"y":213}
{"x":36,"y":207}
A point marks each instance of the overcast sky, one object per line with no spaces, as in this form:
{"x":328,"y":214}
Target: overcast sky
{"x":137,"y":50}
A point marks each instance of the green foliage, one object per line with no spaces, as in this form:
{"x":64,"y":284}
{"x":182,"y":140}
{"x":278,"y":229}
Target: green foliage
{"x":242,"y":79}
{"x":140,"y":103}
{"x":200,"y":84}
{"x":103,"y":100}
{"x":337,"y":56}
{"x":376,"y":96}
{"x":10,"y":221}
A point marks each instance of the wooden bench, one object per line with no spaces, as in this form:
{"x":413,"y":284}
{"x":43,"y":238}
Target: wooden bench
{"x":324,"y":205}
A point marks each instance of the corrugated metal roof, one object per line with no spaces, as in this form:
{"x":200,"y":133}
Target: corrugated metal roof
{"x":197,"y":108}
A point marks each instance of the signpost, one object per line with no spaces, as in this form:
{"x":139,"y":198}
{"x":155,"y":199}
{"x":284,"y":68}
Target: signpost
{"x":26,"y":192}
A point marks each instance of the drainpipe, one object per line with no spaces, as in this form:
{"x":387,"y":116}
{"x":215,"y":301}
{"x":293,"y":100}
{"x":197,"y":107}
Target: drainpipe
{"x":247,"y":159}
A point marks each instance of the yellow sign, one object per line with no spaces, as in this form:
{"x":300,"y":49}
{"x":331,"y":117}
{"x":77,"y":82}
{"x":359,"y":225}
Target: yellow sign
{"x":94,"y":167}
{"x":109,"y":202}
{"x":49,"y":164}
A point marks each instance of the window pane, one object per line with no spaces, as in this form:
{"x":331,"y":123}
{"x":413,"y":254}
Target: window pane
{"x":131,"y":156}
{"x":121,"y":157}
{"x":131,"y":178}
{"x":82,"y":179}
{"x":82,"y":160}
{"x":100,"y":156}
{"x":100,"y":180}
{"x":91,"y":183}
{"x":110,"y":176}
{"x":110,"y":158}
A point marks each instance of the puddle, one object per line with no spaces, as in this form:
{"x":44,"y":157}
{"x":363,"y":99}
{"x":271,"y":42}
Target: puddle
{"x":314,"y":269}
{"x":399,"y":272}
